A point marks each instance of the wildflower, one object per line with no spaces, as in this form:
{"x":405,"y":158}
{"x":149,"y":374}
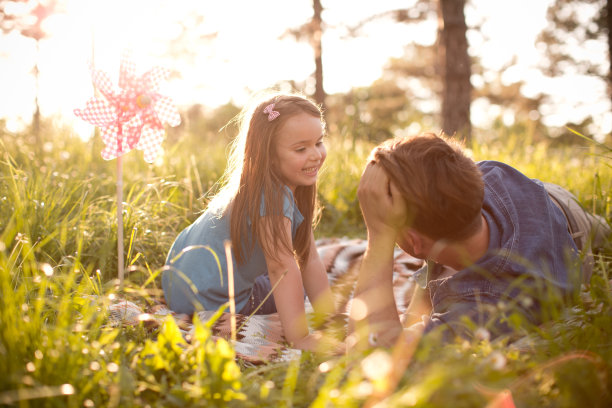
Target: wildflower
{"x":47,"y":269}
{"x":482,"y":334}
{"x":498,"y":360}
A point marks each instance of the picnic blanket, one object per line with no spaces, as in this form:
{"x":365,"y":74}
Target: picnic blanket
{"x":260,"y":338}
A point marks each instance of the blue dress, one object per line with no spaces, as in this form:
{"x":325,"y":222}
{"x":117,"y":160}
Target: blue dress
{"x":195,"y":277}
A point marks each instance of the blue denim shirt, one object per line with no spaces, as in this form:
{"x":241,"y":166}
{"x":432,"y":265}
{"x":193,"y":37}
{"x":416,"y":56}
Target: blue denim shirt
{"x":530,"y":255}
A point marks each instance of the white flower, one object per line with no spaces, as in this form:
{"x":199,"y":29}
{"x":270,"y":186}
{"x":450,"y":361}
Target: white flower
{"x":482,"y":334}
{"x":498,"y":360}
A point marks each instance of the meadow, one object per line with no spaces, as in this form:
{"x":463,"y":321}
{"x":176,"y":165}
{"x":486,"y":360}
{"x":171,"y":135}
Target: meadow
{"x":58,"y":269}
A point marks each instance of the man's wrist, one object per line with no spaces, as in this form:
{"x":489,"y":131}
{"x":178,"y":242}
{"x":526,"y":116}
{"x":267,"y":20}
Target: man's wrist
{"x":382,"y":235}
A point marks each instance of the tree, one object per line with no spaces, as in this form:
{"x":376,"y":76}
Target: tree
{"x":372,"y":113}
{"x":8,"y":19}
{"x":30,"y":25}
{"x":417,"y":72}
{"x":456,"y":69}
{"x":312,"y":31}
{"x":574,"y":23}
{"x":573,"y":27}
{"x":449,"y":72}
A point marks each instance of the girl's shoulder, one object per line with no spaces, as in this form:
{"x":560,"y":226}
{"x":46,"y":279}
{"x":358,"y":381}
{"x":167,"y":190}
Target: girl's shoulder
{"x":289,"y":207}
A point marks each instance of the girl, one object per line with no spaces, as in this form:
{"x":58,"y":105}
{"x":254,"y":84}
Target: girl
{"x":266,"y":208}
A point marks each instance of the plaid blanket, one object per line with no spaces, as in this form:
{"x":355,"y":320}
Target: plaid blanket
{"x":260,"y":338}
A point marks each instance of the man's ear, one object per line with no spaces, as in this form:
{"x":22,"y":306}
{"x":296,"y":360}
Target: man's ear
{"x":415,"y":241}
{"x":420,"y":243}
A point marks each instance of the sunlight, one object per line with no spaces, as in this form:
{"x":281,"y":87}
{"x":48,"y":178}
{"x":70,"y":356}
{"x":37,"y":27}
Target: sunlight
{"x":377,"y":366}
{"x":105,"y":28}
{"x":359,"y":309}
{"x":251,"y":50}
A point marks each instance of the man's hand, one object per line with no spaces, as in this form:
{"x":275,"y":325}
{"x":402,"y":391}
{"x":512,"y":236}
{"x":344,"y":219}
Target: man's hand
{"x":384,"y":209}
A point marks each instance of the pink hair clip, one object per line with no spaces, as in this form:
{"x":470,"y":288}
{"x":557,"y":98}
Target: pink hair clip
{"x":272,"y":114}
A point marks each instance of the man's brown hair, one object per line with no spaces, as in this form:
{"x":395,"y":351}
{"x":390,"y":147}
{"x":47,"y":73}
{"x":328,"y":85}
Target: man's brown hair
{"x":442,"y":187}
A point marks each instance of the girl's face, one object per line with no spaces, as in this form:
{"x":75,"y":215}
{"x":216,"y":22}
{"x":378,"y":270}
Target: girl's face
{"x":300,"y":152}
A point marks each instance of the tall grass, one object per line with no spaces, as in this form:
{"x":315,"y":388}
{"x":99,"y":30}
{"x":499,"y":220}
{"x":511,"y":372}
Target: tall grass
{"x":58,"y":264}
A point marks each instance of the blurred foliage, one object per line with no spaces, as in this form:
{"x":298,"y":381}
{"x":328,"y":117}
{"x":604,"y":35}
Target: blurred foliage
{"x":373,"y":113}
{"x":572,"y":22}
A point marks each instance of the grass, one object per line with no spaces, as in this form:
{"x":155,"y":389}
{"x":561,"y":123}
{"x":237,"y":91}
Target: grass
{"x":58,"y":265}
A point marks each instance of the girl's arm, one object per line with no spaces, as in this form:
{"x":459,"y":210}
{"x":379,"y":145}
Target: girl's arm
{"x":316,"y":284}
{"x":289,"y":294}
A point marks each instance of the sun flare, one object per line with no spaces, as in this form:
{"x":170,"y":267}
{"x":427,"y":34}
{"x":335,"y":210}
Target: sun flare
{"x":218,"y":55}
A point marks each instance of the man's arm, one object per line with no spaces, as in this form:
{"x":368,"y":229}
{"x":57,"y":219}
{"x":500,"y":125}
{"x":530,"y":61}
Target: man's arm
{"x":373,"y":313}
{"x":420,"y":305}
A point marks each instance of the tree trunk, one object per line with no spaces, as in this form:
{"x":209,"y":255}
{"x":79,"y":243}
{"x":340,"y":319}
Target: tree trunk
{"x":456,"y":70}
{"x":319,"y":95}
{"x":609,"y":22}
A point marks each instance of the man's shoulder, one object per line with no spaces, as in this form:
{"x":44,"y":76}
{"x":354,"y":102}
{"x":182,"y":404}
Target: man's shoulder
{"x":487,"y":166}
{"x":501,"y":175}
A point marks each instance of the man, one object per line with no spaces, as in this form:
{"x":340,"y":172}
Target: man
{"x":490,"y":235}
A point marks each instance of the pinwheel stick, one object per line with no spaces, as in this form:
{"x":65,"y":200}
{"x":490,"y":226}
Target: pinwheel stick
{"x":120,"y":221}
{"x":120,"y":212}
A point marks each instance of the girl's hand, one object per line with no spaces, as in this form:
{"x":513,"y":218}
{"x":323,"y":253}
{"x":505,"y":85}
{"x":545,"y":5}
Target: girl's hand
{"x":316,"y":284}
{"x":384,"y":209}
{"x":321,"y":343}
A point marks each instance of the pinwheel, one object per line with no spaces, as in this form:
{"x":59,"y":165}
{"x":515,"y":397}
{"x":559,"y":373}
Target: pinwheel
{"x":130,"y":116}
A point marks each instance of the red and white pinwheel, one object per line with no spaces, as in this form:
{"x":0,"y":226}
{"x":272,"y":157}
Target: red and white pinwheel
{"x":131,"y":115}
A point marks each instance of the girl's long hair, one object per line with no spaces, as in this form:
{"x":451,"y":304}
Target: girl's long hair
{"x":252,"y":171}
